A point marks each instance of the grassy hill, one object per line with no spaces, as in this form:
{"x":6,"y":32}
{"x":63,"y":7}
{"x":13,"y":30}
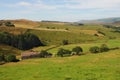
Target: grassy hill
{"x":101,"y":21}
{"x":86,"y":46}
{"x":22,"y":23}
{"x":104,"y":66}
{"x":9,"y":50}
{"x":74,"y":34}
{"x":54,"y":34}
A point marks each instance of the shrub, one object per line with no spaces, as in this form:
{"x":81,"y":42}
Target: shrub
{"x":48,"y":27}
{"x":44,"y":54}
{"x":9,"y":24}
{"x":65,"y":42}
{"x":96,"y":35}
{"x":101,"y":33}
{"x":67,"y":53}
{"x":10,"y":58}
{"x":1,"y":57}
{"x":66,"y":29}
{"x":63,"y":52}
{"x":94,"y":49}
{"x":78,"y":50}
{"x":60,"y":52}
{"x":104,"y":48}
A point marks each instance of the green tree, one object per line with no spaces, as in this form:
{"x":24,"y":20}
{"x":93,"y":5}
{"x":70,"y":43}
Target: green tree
{"x":62,"y":52}
{"x":104,"y":48}
{"x":10,"y":58}
{"x":78,"y":50}
{"x":1,"y":57}
{"x":44,"y":54}
{"x":65,"y":42}
{"x":94,"y":49}
{"x":9,"y":24}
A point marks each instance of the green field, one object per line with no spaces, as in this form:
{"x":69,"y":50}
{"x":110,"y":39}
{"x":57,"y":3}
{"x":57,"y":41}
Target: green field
{"x":104,"y":66}
{"x":74,"y":34}
{"x":86,"y":46}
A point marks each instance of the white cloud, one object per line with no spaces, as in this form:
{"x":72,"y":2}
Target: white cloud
{"x":86,"y":4}
{"x":24,"y":4}
{"x":71,"y":4}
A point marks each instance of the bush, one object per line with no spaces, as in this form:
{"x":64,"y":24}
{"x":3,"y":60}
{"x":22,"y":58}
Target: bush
{"x":63,"y":53}
{"x":94,"y":49}
{"x":10,"y":58}
{"x":104,"y":48}
{"x":9,"y":24}
{"x":44,"y":54}
{"x":1,"y":57}
{"x":101,"y":33}
{"x":78,"y":50}
{"x":65,"y":42}
{"x":66,"y":29}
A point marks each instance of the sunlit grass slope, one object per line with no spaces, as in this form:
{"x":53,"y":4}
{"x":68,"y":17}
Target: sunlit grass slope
{"x":103,"y":66}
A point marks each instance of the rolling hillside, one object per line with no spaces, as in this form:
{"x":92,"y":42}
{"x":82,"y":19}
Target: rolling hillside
{"x":104,"y":66}
{"x":53,"y":34}
{"x":101,"y":21}
{"x":9,"y":50}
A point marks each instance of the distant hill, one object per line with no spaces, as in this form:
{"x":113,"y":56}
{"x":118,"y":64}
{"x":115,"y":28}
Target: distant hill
{"x":24,"y":23}
{"x":116,"y":23}
{"x":101,"y":21}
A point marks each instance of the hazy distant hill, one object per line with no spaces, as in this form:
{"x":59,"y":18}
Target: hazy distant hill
{"x":101,"y":21}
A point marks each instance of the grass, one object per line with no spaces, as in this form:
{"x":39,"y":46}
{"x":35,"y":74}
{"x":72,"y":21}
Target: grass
{"x":86,"y":46}
{"x":103,"y":66}
{"x":13,"y":30}
{"x":9,"y":50}
{"x":74,"y":34}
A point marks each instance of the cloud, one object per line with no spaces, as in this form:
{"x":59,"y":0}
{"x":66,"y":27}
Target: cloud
{"x":87,"y":4}
{"x":69,"y":4}
{"x":24,"y":4}
{"x":65,"y":10}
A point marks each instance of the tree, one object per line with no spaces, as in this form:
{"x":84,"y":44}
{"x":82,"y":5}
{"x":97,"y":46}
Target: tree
{"x":65,"y":42}
{"x":94,"y":49}
{"x":104,"y":48}
{"x":78,"y":50}
{"x":44,"y":54}
{"x":22,"y":41}
{"x":1,"y":57}
{"x":60,"y":52}
{"x":10,"y":58}
{"x":9,"y":24}
{"x":63,"y":52}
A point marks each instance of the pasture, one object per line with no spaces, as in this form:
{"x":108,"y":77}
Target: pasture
{"x":103,"y":66}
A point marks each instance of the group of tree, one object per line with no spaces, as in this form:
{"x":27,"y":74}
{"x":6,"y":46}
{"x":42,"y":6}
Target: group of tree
{"x":115,"y":28}
{"x":7,"y":24}
{"x":64,"y":52}
{"x":22,"y":41}
{"x":44,"y":54}
{"x":102,"y":48}
{"x":8,"y":58}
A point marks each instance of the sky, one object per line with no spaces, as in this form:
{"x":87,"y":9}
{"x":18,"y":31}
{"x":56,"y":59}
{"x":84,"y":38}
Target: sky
{"x":59,"y":10}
